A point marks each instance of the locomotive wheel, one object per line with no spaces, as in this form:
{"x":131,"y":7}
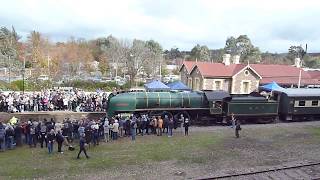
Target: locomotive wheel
{"x":265,"y":120}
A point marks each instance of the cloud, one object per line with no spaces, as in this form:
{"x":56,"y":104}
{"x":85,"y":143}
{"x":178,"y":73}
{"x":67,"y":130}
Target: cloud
{"x":271,"y":25}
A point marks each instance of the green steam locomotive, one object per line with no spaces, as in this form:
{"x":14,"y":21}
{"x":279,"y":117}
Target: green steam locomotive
{"x":201,"y":107}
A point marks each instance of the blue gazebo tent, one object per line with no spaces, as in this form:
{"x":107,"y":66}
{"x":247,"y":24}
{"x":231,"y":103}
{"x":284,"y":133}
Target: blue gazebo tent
{"x":271,"y":87}
{"x":156,"y":85}
{"x":178,"y":85}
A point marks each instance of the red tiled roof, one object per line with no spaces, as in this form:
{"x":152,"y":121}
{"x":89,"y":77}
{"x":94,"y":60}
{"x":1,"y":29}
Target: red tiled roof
{"x":289,"y":80}
{"x":189,"y":65}
{"x":277,"y":70}
{"x":218,"y":69}
{"x":314,"y":74}
{"x":282,"y":74}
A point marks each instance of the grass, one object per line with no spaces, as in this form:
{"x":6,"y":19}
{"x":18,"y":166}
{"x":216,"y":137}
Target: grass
{"x":315,"y":131}
{"x":25,"y":162}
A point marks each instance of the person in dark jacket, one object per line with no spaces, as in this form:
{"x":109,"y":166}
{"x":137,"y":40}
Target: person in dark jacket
{"x":2,"y":137}
{"x":238,"y":128}
{"x":50,"y":139}
{"x":82,"y":143}
{"x":17,"y":134}
{"x":165,"y":124}
{"x":60,"y":139}
{"x":186,"y":127}
{"x":170,"y":126}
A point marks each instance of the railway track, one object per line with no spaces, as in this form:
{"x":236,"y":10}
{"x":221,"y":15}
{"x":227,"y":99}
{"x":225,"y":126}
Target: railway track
{"x":306,"y":170}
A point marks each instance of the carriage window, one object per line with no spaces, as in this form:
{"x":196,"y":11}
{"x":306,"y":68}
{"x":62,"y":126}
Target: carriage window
{"x":302,"y":103}
{"x":315,"y":103}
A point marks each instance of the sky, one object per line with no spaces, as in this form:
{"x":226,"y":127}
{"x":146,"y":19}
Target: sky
{"x":272,"y":25}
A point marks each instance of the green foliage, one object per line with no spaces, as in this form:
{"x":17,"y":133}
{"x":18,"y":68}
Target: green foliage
{"x":173,"y":54}
{"x":311,"y":62}
{"x":154,"y":47}
{"x":242,"y":46}
{"x":296,"y":52}
{"x":28,"y":64}
{"x":8,"y":47}
{"x":164,"y":70}
{"x":17,"y":85}
{"x":200,"y":53}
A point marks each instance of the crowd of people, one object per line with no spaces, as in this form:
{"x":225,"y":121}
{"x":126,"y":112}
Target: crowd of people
{"x":47,"y":133}
{"x":53,"y":100}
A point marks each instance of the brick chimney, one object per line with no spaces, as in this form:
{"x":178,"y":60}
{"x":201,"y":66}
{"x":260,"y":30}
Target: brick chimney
{"x":297,"y":62}
{"x":236,"y":59}
{"x":226,"y":59}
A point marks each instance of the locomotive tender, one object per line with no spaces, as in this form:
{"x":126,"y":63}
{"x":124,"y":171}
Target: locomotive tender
{"x":217,"y":106}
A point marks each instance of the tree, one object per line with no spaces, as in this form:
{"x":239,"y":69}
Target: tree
{"x":242,"y":46}
{"x":155,"y":58}
{"x":116,"y":52}
{"x":296,"y":52}
{"x":200,"y":53}
{"x":137,"y":58}
{"x":173,"y":54}
{"x":9,"y":57}
{"x":8,"y":46}
{"x":231,"y":46}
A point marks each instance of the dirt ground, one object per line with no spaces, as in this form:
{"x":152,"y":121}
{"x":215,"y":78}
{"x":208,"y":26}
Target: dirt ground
{"x":260,"y":146}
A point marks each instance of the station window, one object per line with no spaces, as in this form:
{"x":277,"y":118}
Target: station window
{"x":302,"y":103}
{"x":315,"y":103}
{"x":217,"y":85}
{"x":245,"y":87}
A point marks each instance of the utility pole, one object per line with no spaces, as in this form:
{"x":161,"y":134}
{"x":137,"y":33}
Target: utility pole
{"x":23,"y":72}
{"x":300,"y":71}
{"x":160,"y":70}
{"x":9,"y":69}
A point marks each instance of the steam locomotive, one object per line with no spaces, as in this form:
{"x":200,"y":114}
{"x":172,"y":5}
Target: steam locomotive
{"x":203,"y":107}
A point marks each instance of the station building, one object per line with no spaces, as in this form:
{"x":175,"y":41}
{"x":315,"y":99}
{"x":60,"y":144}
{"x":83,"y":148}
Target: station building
{"x":237,"y":78}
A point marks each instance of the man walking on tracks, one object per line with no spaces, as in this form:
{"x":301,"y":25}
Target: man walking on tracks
{"x":238,"y":128}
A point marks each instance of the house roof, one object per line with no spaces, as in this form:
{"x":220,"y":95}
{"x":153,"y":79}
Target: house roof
{"x":282,"y":74}
{"x":218,"y":69}
{"x":188,"y":64}
{"x":289,"y":80}
{"x":314,"y":74}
